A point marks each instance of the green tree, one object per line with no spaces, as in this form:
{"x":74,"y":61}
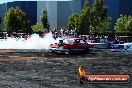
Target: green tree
{"x":100,"y":21}
{"x":83,"y":22}
{"x":123,"y":24}
{"x":44,"y":20}
{"x":100,"y":25}
{"x":99,"y":8}
{"x":15,"y":21}
{"x":92,"y":19}
{"x":72,"y":20}
{"x":37,"y":27}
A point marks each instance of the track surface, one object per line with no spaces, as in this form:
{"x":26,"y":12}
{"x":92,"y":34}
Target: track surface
{"x":37,"y":69}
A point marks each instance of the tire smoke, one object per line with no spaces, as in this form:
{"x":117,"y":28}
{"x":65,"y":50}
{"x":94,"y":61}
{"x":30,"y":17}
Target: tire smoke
{"x":33,"y":42}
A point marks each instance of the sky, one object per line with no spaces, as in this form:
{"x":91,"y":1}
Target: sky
{"x":5,"y":1}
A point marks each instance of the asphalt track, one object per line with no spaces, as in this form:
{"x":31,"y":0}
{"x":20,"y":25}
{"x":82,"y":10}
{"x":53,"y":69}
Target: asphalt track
{"x":41,"y":69}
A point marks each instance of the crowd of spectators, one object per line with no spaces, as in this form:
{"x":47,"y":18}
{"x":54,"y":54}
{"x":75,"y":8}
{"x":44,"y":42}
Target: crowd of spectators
{"x":64,"y":33}
{"x":59,"y":33}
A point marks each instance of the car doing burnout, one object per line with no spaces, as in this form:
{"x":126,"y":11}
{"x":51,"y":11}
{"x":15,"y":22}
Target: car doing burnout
{"x":70,"y":45}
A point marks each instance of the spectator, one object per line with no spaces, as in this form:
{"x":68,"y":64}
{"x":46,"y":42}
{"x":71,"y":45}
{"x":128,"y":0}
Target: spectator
{"x":62,"y":31}
{"x":117,"y":39}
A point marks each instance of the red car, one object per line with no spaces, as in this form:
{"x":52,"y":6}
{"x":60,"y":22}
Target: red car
{"x":70,"y":45}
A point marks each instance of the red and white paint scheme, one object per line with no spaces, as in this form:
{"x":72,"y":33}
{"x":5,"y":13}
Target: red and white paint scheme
{"x":70,"y":45}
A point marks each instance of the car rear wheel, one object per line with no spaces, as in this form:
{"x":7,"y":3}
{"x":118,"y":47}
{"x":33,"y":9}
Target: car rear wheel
{"x":52,"y":51}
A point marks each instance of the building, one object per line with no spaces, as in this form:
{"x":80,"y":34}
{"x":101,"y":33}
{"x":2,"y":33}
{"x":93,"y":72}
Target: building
{"x":30,"y":8}
{"x":59,"y":11}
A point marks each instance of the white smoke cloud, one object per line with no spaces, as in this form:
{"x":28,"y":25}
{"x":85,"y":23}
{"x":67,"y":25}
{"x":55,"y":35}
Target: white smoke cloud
{"x":34,"y":42}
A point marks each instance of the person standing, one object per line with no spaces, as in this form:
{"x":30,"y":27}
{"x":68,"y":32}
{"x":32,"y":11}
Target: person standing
{"x":117,"y":39}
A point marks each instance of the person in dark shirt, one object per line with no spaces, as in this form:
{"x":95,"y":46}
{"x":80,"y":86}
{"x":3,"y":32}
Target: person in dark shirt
{"x":117,"y":39}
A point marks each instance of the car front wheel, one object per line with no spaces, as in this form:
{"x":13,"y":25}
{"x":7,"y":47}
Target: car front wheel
{"x":67,"y":52}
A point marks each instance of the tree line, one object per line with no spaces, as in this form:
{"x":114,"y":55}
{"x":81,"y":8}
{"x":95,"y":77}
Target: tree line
{"x":15,"y":20}
{"x":93,"y":19}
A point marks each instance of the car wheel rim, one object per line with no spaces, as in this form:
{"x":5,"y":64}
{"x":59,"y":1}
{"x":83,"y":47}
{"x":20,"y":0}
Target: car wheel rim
{"x":67,"y":52}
